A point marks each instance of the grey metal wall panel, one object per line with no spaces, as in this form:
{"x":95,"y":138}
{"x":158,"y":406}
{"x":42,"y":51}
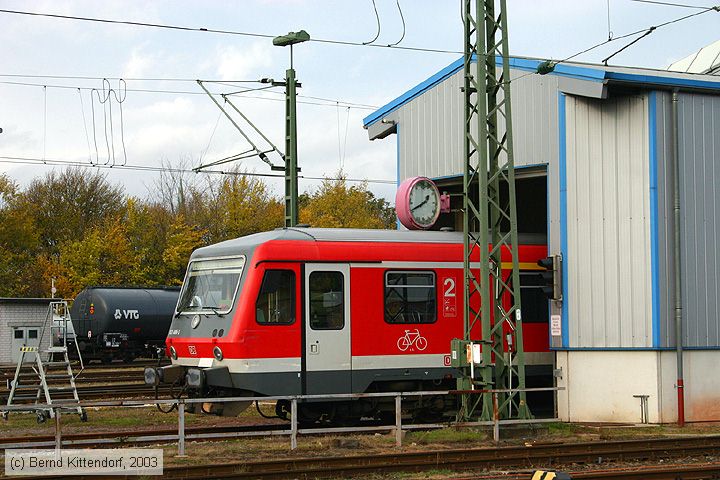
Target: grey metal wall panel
{"x":699,"y":138}
{"x":431,"y":126}
{"x":608,"y":223}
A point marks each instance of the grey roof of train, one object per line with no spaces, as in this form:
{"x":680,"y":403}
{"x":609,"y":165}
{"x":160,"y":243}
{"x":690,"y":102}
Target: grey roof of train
{"x":249,"y":242}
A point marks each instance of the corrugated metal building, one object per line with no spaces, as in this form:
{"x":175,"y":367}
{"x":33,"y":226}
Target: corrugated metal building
{"x":594,"y":164}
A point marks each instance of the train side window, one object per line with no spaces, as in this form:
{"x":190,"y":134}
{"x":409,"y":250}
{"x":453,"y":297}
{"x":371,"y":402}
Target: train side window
{"x":327,"y":301}
{"x":275,"y":304}
{"x":410,"y":297}
{"x":534,"y":301}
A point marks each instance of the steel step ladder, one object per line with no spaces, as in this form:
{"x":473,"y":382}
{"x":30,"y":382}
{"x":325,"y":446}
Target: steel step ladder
{"x":52,"y":377}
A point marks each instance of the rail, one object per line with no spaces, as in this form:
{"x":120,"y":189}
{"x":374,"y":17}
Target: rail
{"x":294,"y":431}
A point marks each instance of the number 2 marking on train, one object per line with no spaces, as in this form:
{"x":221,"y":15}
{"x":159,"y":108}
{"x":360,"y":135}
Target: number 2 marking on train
{"x":449,"y":284}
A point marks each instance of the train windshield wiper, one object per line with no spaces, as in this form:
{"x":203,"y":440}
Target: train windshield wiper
{"x":215,"y":310}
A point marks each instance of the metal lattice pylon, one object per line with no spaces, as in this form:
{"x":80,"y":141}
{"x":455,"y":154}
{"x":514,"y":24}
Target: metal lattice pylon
{"x":490,"y":227}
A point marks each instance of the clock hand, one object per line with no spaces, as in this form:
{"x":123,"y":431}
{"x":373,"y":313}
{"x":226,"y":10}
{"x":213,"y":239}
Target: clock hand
{"x":427,"y":199}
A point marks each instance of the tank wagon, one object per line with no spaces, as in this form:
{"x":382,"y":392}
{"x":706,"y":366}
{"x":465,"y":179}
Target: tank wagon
{"x":327,"y":311}
{"x":122,"y":323}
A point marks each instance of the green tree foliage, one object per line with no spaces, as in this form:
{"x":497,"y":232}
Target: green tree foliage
{"x":336,"y":205}
{"x":102,"y":257}
{"x":19,"y":241}
{"x":75,"y":226}
{"x":181,"y":241}
{"x":65,"y":205}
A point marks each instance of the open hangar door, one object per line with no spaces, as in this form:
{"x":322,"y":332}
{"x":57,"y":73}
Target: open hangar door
{"x":531,"y":188}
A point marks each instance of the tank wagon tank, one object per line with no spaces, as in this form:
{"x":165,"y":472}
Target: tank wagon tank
{"x":122,"y":323}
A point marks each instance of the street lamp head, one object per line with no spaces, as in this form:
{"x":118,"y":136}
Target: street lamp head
{"x":291,"y":38}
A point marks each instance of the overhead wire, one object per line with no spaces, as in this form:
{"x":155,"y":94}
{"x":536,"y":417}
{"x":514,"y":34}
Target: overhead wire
{"x":402,"y":18}
{"x":715,"y":8}
{"x":148,"y":168}
{"x":330,"y":102}
{"x":669,"y":4}
{"x":218,"y":31}
{"x":377,"y":18}
{"x":87,"y":135}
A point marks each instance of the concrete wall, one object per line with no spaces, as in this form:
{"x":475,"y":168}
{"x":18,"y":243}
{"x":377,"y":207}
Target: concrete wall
{"x":599,"y":385}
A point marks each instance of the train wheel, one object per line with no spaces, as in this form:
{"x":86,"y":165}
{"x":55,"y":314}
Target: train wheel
{"x":128,"y":358}
{"x":106,"y":360}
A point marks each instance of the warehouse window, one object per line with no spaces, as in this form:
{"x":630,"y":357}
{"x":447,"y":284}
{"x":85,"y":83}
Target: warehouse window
{"x":410,"y":297}
{"x":327,"y":301}
{"x":275,"y":303}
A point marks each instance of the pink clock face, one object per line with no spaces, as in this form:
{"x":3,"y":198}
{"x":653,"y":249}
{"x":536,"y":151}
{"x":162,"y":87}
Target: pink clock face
{"x":417,"y":203}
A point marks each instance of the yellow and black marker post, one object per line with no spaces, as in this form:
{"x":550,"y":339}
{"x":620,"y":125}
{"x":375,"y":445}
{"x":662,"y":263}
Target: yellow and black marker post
{"x":546,"y":475}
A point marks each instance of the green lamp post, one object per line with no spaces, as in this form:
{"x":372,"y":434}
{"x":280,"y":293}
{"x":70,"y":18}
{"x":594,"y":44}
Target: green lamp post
{"x":291,"y":170}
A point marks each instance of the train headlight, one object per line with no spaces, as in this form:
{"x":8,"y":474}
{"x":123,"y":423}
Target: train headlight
{"x":173,"y":353}
{"x":217,"y":352}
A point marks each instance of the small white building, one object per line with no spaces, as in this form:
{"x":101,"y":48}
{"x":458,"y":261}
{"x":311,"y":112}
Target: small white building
{"x":595,"y":162}
{"x":21,"y":324}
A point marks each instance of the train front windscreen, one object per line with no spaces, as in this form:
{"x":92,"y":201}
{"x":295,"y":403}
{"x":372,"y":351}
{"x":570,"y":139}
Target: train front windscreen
{"x":211,"y":285}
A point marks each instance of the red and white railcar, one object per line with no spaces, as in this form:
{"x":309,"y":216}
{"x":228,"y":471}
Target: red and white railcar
{"x":324,"y":311}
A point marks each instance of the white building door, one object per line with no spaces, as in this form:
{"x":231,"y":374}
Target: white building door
{"x":24,"y":336}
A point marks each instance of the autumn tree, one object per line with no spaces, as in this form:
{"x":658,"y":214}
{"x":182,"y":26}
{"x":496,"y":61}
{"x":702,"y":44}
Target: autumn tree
{"x":102,"y":257}
{"x":336,"y":205}
{"x":65,"y":205}
{"x":19,"y":241}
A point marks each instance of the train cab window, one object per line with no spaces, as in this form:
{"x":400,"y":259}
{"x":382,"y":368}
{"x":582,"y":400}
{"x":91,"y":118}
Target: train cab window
{"x":275,"y":304}
{"x":410,"y":297}
{"x":211,"y":285}
{"x":18,"y":334}
{"x":32,"y":334}
{"x":534,"y":301}
{"x":327,"y":301}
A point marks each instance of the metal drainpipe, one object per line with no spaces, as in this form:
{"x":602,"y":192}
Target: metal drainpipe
{"x":675,"y":147}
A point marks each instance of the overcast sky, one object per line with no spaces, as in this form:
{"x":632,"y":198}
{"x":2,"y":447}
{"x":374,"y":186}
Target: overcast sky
{"x":57,"y":123}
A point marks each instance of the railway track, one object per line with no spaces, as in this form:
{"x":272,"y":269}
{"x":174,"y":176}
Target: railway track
{"x":97,"y":383}
{"x":513,"y":458}
{"x":105,"y":391}
{"x":134,"y":437}
{"x":9,"y":369}
{"x":479,"y":459}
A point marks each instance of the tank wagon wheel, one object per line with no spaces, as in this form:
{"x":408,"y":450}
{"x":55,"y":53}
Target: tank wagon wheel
{"x":282,"y":409}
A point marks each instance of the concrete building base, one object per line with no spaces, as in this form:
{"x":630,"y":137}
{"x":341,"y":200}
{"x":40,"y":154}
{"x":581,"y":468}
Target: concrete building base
{"x":601,"y":386}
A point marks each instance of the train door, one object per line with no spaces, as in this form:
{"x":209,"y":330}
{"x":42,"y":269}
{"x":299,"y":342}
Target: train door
{"x":24,"y":336}
{"x":327,"y":365}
